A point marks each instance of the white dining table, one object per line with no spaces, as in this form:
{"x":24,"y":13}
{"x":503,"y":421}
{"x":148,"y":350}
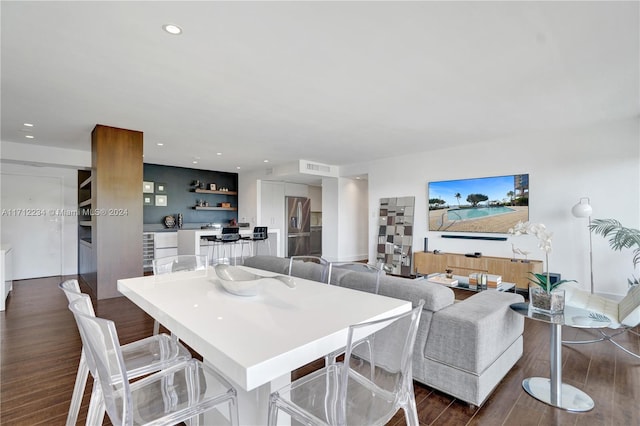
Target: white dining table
{"x":256,"y":341}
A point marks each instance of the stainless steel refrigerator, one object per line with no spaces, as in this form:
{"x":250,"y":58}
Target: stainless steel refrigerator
{"x":298,"y":235}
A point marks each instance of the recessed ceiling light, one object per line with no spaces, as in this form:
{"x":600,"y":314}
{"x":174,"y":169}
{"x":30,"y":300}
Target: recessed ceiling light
{"x":172,"y":29}
{"x":29,"y":136}
{"x":195,"y":162}
{"x":218,"y":153}
{"x":160,"y":144}
{"x":265,"y":161}
{"x":237,"y":167}
{"x":28,"y":125}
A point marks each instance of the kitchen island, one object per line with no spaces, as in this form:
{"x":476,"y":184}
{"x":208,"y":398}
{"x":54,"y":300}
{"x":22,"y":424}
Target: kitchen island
{"x":190,"y":240}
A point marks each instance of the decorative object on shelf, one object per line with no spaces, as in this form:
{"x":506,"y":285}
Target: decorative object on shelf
{"x":226,"y":205}
{"x":169,"y":221}
{"x":583,"y":209}
{"x":196,"y":183}
{"x":203,"y":185}
{"x":180,"y":220}
{"x":147,"y":187}
{"x":147,"y":200}
{"x":544,"y":296}
{"x":212,"y":187}
{"x":439,"y":279}
{"x":517,"y":251}
{"x":161,"y":187}
{"x":161,"y":200}
{"x":619,"y":237}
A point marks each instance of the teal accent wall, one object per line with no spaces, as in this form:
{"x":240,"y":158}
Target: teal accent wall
{"x":181,"y":197}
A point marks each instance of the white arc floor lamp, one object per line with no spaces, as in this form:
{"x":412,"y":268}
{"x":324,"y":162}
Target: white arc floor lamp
{"x":583,"y":209}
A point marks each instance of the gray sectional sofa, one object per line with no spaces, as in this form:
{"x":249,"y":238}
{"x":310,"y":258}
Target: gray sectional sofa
{"x":462,"y":348}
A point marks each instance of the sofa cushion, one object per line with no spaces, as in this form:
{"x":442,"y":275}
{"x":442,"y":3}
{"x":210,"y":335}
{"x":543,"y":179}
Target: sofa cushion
{"x":470,"y":335}
{"x":279,"y":265}
{"x":355,"y":280}
{"x":436,"y":296}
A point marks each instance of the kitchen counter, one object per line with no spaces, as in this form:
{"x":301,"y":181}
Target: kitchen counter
{"x":189,"y":240}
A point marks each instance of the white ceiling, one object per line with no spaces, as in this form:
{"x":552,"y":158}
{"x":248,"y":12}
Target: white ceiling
{"x":331,"y":82}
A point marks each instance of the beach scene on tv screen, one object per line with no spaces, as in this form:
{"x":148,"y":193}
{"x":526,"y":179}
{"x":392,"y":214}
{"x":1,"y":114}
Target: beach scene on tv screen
{"x":487,"y":204}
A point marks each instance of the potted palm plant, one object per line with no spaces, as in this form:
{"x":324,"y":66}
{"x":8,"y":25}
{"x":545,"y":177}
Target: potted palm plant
{"x":620,"y":237}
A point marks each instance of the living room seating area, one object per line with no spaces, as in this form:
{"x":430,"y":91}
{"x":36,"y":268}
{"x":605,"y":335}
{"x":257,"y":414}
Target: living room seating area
{"x":463,"y":349}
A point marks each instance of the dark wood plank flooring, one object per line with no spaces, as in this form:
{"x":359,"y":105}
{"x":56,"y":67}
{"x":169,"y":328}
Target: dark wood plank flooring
{"x":41,"y":349}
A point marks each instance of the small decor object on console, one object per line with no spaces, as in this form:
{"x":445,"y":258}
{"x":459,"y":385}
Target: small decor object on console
{"x":440,"y":279}
{"x":486,"y":280}
{"x":544,"y":296}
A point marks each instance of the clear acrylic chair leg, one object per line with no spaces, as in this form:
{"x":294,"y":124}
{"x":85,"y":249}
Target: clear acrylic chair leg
{"x":78,"y":391}
{"x":95,"y":415}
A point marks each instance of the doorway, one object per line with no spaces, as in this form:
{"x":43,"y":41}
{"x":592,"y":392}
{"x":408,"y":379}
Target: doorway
{"x":32,"y":219}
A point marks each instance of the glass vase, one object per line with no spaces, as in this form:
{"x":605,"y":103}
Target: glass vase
{"x":548,"y":303}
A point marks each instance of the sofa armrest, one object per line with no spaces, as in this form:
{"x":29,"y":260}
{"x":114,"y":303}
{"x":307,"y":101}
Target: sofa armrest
{"x":471,"y":334}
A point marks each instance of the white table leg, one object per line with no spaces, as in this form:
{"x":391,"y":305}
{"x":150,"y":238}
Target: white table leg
{"x":253,"y":406}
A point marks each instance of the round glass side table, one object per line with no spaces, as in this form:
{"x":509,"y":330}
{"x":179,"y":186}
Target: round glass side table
{"x":552,"y":391}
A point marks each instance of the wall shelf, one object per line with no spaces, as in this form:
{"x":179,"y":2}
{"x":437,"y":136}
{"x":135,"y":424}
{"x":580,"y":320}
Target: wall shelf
{"x":85,"y":182}
{"x":207,"y":191}
{"x":216,"y":208}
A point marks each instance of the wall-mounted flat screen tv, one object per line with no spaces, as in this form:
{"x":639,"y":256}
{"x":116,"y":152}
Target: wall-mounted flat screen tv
{"x":486,"y":204}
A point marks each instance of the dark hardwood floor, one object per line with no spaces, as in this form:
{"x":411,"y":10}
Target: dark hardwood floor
{"x":41,"y":348}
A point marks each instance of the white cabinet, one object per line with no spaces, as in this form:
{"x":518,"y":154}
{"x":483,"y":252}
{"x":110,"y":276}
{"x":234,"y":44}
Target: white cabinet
{"x":6,"y":273}
{"x":271,"y":207}
{"x":315,"y":195}
{"x":166,"y":244}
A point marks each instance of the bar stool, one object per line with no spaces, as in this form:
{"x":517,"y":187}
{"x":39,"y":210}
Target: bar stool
{"x":260,"y":235}
{"x":228,"y":239}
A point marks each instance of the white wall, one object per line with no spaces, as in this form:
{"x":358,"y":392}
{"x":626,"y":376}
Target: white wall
{"x":353,"y":219}
{"x":45,"y":155}
{"x":601,"y":162}
{"x":331,"y":237}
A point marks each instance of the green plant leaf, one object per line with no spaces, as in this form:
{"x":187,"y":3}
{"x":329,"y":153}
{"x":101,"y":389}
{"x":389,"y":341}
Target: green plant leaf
{"x":620,"y":237}
{"x":541,"y":281}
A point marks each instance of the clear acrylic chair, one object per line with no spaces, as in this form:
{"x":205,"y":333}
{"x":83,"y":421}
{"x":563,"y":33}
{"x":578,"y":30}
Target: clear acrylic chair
{"x":303,"y":267}
{"x":180,"y":263}
{"x":181,"y":392}
{"x":368,"y":388}
{"x":188,"y":262}
{"x":140,"y":358}
{"x":358,"y":267}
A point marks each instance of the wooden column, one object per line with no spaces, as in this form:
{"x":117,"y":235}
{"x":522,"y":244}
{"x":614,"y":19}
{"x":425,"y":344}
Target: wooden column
{"x":116,"y":165}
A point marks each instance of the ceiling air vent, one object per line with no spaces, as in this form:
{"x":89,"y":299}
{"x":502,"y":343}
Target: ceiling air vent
{"x":318,"y":167}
